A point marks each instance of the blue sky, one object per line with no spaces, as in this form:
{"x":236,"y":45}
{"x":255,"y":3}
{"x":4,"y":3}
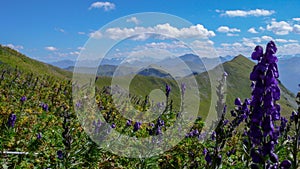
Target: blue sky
{"x":57,"y":30}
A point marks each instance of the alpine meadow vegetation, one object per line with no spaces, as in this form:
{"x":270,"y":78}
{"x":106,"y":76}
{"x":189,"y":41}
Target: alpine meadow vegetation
{"x":40,"y":129}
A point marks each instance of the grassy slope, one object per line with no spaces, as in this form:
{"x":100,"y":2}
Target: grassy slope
{"x":13,"y":59}
{"x":239,"y":70}
{"x":238,"y":85}
{"x":238,"y":80}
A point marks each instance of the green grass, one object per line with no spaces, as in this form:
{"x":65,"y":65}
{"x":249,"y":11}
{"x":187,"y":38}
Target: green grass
{"x":14,"y":59}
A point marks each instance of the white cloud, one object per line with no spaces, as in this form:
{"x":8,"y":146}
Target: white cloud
{"x":261,"y":28}
{"x":296,"y":19}
{"x":289,"y":49}
{"x":232,"y":34}
{"x":168,"y":46}
{"x":204,"y":48}
{"x":133,"y":20}
{"x":15,"y":47}
{"x":226,"y":29}
{"x":95,"y":35}
{"x":50,"y":48}
{"x":233,"y":49}
{"x":195,"y":31}
{"x":76,"y":53}
{"x":80,"y":48}
{"x":266,"y":38}
{"x":280,"y":28}
{"x":252,"y":30}
{"x":107,"y":6}
{"x":81,"y":33}
{"x":59,"y":30}
{"x":296,"y":28}
{"x":60,"y":54}
{"x":281,"y":40}
{"x":243,"y":13}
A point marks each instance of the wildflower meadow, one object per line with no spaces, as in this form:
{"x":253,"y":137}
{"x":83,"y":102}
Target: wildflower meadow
{"x":40,"y":129}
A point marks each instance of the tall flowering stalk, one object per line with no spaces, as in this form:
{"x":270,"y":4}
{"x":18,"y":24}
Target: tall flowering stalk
{"x":263,"y":133}
{"x":295,"y":119}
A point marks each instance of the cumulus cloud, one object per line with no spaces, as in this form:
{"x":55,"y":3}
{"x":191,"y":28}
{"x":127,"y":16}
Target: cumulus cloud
{"x":296,"y":28}
{"x":280,"y":28}
{"x":95,"y":35}
{"x":107,"y":6}
{"x":75,"y":53}
{"x":296,"y":19}
{"x":226,"y":29}
{"x":261,"y":28}
{"x":232,"y":34}
{"x":50,"y":48}
{"x":15,"y":47}
{"x":133,"y":20}
{"x":168,"y":46}
{"x":195,"y":31}
{"x":252,"y":30}
{"x":243,"y":13}
{"x":289,"y":49}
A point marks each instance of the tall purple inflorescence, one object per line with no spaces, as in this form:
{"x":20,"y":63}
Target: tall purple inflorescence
{"x":263,"y":132}
{"x":11,"y":120}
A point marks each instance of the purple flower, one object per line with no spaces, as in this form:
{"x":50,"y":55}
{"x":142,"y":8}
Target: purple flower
{"x":213,"y":135}
{"x":258,"y":53}
{"x":39,"y":136}
{"x":208,"y":158}
{"x":283,"y":124}
{"x":160,"y":122}
{"x":265,"y":110}
{"x":196,"y":132}
{"x":286,"y":164}
{"x":183,"y":88}
{"x":60,"y":154}
{"x":128,"y":123}
{"x":158,"y":131}
{"x":113,"y":125}
{"x":294,"y":116}
{"x":44,"y":106}
{"x":23,"y":99}
{"x":168,"y":90}
{"x":273,"y":157}
{"x":255,"y":155}
{"x":11,"y":120}
{"x":137,"y":126}
{"x":238,"y":102}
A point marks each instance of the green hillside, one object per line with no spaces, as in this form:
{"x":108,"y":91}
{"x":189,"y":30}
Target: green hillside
{"x":238,"y":85}
{"x":14,"y":59}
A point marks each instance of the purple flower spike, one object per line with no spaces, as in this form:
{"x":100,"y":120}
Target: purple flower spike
{"x":183,"y":88}
{"x":11,"y":120}
{"x":137,"y":126}
{"x":286,"y":164}
{"x":258,"y":53}
{"x":23,"y":99}
{"x":39,"y":136}
{"x":44,"y":106}
{"x":208,"y":158}
{"x":128,"y":123}
{"x":168,"y":90}
{"x":238,"y":102}
{"x":60,"y":154}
